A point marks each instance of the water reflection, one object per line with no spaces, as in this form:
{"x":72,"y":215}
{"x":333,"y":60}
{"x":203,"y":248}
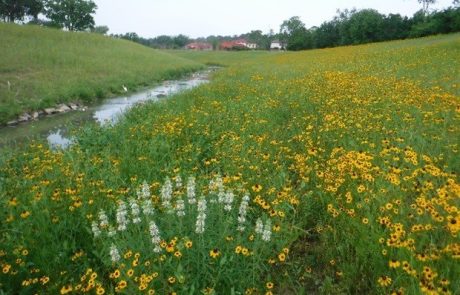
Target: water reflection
{"x":55,"y":128}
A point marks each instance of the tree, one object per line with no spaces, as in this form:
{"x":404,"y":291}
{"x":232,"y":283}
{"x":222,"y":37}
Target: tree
{"x":12,"y":10}
{"x":74,"y":15}
{"x":100,"y":30}
{"x":426,"y":4}
{"x":180,"y":41}
{"x":294,"y":33}
{"x":365,"y":26}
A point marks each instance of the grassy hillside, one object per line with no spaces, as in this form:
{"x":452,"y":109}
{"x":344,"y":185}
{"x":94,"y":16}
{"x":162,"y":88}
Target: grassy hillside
{"x":40,"y":67}
{"x":349,"y":157}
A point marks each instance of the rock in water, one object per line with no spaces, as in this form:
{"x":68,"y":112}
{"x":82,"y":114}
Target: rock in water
{"x":24,"y":117}
{"x":50,"y":111}
{"x":62,"y":108}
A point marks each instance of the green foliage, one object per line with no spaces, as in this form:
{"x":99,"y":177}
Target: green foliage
{"x":100,"y":30}
{"x":368,"y":25}
{"x":44,"y":67}
{"x":74,"y":15}
{"x":11,"y":10}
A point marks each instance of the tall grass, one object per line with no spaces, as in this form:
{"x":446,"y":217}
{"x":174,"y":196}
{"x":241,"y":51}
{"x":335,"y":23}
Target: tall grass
{"x":40,"y":67}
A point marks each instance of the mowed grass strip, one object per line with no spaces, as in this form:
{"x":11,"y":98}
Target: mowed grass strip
{"x":40,"y":67}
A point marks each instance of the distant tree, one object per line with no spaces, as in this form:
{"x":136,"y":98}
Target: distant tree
{"x":74,"y":15}
{"x":395,"y":27}
{"x":294,"y":33}
{"x":180,"y":41}
{"x":365,"y":26}
{"x":12,"y":10}
{"x":100,"y":30}
{"x":426,"y":4}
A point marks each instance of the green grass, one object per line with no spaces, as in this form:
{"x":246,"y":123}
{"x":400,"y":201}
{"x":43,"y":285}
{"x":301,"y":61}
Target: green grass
{"x":351,"y":153}
{"x":45,"y":66}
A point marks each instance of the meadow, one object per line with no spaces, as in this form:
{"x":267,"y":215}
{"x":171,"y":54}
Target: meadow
{"x":41,"y":67}
{"x":329,"y":171}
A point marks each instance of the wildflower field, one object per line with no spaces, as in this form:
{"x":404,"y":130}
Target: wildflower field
{"x":328,"y":171}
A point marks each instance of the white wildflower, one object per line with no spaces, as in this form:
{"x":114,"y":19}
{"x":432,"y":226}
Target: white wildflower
{"x":95,"y":229}
{"x":267,"y":231}
{"x":259,"y":226}
{"x":166,"y":195}
{"x":228,"y":200}
{"x":114,"y":254}
{"x":144,"y":192}
{"x":180,"y":208}
{"x":122,"y":216}
{"x":191,"y":190}
{"x":147,"y":207}
{"x":201,"y":218}
{"x":155,"y":234}
{"x":103,"y":219}
{"x":242,"y":213}
{"x":135,"y":211}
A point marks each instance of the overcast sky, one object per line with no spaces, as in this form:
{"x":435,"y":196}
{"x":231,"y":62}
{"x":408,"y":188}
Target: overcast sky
{"x":201,"y":18}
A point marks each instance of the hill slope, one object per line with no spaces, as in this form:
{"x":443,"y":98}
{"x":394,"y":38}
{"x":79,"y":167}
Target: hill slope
{"x":40,"y":67}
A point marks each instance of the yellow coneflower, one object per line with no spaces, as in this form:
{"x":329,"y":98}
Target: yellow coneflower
{"x":281,"y":257}
{"x":256,"y":188}
{"x":171,"y":280}
{"x":394,"y":263}
{"x":214,"y":253}
{"x":238,"y":249}
{"x":66,"y":289}
{"x":384,"y":281}
{"x":269,"y":285}
{"x":122,"y":284}
{"x":188,"y":244}
{"x":100,"y":290}
{"x":178,"y":254}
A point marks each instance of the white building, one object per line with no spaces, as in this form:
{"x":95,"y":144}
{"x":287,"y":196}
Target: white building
{"x":277,"y":45}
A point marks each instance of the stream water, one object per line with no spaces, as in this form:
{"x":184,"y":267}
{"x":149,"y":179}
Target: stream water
{"x":55,"y":128}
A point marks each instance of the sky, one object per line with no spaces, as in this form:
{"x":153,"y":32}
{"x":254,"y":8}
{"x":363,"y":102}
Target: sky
{"x":201,"y":18}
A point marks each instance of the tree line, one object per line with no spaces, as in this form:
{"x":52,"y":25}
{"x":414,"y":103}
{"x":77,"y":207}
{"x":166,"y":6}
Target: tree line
{"x":73,"y":15}
{"x":348,"y":27}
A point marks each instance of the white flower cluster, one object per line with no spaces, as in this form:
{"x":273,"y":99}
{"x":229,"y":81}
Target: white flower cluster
{"x":201,"y":218}
{"x":135,"y":211}
{"x":144,"y":192}
{"x":166,"y":195}
{"x":228,"y":200}
{"x":95,"y":229}
{"x":147,"y":207}
{"x":264,"y":230}
{"x":216,"y":186}
{"x":191,"y":195}
{"x":259,"y":226}
{"x":122,"y":216}
{"x":242,"y":213}
{"x":114,"y":254}
{"x":180,"y":208}
{"x":267,"y":233}
{"x":155,"y":234}
{"x":103,"y":219}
